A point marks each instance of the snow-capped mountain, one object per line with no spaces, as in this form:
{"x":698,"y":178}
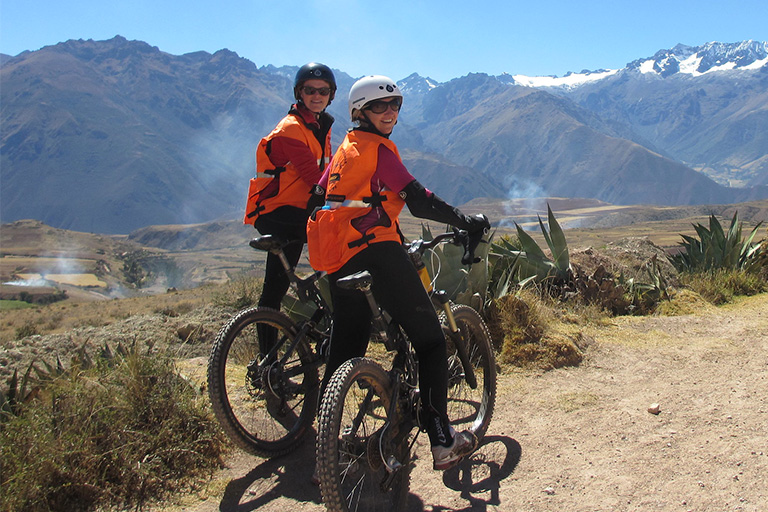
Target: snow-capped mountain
{"x":417,"y":84}
{"x":708,"y":58}
{"x":682,"y":59}
{"x":568,"y":81}
{"x":143,"y":137}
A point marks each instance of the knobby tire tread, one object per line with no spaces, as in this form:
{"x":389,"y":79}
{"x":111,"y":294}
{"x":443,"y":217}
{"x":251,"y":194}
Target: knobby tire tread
{"x":349,"y":375}
{"x":220,"y":400}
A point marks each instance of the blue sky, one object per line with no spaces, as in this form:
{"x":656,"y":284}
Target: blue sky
{"x":442,"y":39}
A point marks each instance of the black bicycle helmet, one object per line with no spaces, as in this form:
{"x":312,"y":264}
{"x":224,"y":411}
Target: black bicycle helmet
{"x":310,"y":71}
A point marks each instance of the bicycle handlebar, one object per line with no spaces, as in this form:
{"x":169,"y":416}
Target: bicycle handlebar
{"x":469,"y":241}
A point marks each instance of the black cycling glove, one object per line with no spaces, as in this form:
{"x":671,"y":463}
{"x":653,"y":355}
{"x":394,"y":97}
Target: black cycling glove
{"x":316,"y":199}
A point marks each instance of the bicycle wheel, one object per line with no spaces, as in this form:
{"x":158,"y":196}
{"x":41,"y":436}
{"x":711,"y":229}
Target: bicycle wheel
{"x":354,"y":437}
{"x":264,"y":406}
{"x":468,"y":408}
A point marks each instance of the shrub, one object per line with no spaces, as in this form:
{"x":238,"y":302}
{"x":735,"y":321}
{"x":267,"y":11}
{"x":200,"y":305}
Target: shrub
{"x":721,"y":285}
{"x":28,"y":329}
{"x":240,"y":292}
{"x":124,"y":432}
{"x":525,"y":326}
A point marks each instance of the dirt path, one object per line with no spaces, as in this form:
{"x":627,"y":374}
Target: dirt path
{"x":582,"y":439}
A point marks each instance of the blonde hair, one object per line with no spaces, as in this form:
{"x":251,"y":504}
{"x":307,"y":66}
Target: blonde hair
{"x":358,"y":117}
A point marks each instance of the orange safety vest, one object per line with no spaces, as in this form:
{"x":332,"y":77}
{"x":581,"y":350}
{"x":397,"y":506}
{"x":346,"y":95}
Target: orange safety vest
{"x":273,"y":187}
{"x":337,"y":232}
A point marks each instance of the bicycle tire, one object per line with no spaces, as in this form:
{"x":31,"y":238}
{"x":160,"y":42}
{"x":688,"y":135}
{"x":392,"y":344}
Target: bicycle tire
{"x":267,"y":411}
{"x":349,"y":460}
{"x":470,"y":409}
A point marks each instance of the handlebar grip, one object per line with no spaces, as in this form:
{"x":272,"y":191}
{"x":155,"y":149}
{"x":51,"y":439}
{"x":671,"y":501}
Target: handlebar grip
{"x":472,"y":241}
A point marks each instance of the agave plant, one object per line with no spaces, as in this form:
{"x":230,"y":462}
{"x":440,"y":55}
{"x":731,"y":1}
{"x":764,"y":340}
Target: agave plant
{"x":716,"y":248}
{"x":526,"y":261}
{"x":502,"y":261}
{"x":460,"y":282}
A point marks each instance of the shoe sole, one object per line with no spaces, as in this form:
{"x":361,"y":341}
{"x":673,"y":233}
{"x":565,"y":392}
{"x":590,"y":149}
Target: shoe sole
{"x":448,"y":465}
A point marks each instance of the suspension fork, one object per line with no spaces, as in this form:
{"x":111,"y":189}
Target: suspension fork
{"x":458,"y":340}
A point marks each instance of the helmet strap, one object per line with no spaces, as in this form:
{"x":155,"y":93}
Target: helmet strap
{"x":367,"y":126}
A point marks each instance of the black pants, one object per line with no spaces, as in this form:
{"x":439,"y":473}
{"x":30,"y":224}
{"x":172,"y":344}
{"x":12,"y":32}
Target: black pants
{"x":289,"y":223}
{"x":398,"y":290}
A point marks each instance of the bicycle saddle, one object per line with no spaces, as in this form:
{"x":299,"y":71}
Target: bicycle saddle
{"x":267,"y":243}
{"x":357,"y":280}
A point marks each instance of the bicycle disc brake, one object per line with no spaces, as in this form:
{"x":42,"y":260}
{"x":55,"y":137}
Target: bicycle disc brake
{"x":269,"y":382}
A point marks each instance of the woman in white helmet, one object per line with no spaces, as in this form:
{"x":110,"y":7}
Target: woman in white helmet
{"x":367,"y":187}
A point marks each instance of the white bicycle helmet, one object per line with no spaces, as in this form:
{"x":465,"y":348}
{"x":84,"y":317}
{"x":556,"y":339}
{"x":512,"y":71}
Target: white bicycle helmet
{"x":371,"y":88}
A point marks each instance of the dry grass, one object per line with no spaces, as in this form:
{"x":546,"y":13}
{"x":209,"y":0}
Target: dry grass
{"x":66,"y":315}
{"x":529,"y":333}
{"x":123,"y":433}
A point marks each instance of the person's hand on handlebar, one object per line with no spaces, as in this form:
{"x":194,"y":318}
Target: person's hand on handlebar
{"x":478,"y":226}
{"x":477,"y":223}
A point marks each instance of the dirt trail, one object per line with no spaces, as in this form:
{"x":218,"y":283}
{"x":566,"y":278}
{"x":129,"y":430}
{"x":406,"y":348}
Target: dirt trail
{"x":582,"y":439}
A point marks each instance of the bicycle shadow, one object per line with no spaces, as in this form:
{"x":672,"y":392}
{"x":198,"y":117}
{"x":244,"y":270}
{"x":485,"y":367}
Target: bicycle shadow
{"x":478,"y":478}
{"x":289,"y":477}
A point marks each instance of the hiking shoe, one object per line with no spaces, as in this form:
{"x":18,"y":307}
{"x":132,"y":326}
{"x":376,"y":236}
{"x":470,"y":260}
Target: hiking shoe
{"x":445,"y":457}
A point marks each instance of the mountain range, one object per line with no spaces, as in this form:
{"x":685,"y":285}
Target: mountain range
{"x":112,"y":136}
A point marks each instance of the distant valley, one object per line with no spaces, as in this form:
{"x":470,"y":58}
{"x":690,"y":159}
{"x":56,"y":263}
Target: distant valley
{"x":96,"y":267}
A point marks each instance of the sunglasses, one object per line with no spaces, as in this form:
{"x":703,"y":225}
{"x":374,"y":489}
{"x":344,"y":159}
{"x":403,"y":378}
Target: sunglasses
{"x":309,"y":91}
{"x":379,"y":106}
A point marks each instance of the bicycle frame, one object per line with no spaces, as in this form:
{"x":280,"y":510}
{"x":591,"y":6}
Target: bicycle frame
{"x":405,"y":366}
{"x":306,"y":290}
{"x":416,"y":251}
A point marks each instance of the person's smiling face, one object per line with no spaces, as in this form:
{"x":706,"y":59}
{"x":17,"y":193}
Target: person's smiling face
{"x":315,"y":102}
{"x":384,"y":121}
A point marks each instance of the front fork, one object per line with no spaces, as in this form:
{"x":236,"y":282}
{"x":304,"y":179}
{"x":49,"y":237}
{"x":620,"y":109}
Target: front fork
{"x":440,"y":299}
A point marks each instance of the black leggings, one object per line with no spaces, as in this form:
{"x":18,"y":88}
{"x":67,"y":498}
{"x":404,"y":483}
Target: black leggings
{"x":288,"y":223}
{"x":398,"y":290}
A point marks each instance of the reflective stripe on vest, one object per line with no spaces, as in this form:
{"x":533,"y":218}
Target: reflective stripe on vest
{"x":266,"y":193}
{"x":350,"y":199}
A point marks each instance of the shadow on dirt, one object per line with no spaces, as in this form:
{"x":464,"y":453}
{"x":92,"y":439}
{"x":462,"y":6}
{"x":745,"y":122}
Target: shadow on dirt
{"x":288,"y":476}
{"x":478,"y":479}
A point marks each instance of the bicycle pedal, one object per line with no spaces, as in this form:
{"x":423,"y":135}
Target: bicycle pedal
{"x":348,"y":433}
{"x":393,"y":464}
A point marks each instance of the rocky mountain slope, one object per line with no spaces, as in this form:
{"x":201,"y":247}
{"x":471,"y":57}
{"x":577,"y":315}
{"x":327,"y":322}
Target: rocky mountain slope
{"x":112,"y":136}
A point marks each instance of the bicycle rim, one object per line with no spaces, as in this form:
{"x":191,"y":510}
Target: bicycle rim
{"x":266,"y":408}
{"x":468,"y":408}
{"x":352,"y":443}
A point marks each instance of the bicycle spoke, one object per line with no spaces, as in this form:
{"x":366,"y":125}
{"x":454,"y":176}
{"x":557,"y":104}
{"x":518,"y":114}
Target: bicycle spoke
{"x":351,"y":432}
{"x":265,"y":403}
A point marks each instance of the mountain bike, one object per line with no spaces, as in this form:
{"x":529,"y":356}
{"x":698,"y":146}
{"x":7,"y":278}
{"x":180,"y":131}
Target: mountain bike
{"x":263,"y":367}
{"x":370,"y":417}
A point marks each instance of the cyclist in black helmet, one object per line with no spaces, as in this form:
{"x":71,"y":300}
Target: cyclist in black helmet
{"x":289,"y":162}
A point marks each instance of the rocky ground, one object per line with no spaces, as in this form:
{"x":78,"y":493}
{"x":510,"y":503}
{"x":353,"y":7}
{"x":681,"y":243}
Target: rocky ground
{"x":584,"y":438}
{"x":589,"y":438}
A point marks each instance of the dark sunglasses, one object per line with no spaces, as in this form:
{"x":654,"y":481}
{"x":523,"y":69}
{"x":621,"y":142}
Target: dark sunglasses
{"x":309,"y":91}
{"x":380,"y":106}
